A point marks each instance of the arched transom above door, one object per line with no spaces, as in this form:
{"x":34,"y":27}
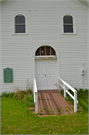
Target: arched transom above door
{"x":45,"y":51}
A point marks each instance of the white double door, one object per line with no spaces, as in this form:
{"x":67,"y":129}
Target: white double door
{"x":46,"y":74}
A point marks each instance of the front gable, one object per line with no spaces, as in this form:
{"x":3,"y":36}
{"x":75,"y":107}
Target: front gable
{"x":45,"y":27}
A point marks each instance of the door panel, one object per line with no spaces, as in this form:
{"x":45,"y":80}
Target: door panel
{"x":40,"y":74}
{"x":46,"y":74}
{"x":52,"y":74}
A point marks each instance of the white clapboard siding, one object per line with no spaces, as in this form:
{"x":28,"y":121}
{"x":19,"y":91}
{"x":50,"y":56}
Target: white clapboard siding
{"x":44,"y":26}
{"x":88,"y":48}
{"x":1,"y":73}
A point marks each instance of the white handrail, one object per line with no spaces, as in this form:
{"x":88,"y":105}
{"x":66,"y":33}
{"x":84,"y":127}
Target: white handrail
{"x":35,"y":96}
{"x":64,"y":85}
{"x":67,"y":84}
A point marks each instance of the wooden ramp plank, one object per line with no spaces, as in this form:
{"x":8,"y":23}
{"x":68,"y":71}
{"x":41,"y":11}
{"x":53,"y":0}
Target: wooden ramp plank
{"x":52,"y":102}
{"x":57,"y":100}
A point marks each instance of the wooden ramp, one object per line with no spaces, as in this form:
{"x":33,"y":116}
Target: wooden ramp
{"x":51,"y":102}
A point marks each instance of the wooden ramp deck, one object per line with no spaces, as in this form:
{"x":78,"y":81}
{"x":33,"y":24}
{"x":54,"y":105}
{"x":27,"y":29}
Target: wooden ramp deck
{"x":51,"y":102}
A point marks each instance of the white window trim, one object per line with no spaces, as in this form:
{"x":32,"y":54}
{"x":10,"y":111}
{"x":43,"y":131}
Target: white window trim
{"x":13,"y":25}
{"x":46,"y":57}
{"x":74,"y":25}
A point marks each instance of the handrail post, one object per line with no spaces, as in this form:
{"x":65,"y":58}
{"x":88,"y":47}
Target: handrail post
{"x":34,"y":93}
{"x":64,"y":90}
{"x":64,"y":85}
{"x":75,"y":101}
{"x":36,"y":103}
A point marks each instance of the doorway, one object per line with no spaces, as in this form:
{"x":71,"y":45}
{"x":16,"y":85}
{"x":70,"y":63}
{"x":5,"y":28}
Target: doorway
{"x":46,"y":74}
{"x":46,"y":68}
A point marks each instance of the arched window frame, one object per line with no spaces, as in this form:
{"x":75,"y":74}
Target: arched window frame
{"x":45,"y":47}
{"x":13,"y":24}
{"x":74,"y":25}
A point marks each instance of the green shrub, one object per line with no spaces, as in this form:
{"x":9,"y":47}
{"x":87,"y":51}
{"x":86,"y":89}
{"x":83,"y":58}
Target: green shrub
{"x":24,"y":96}
{"x":68,"y":98}
{"x":71,"y":91}
{"x":21,"y":94}
{"x":5,"y":94}
{"x":28,"y":98}
{"x":86,"y":90}
{"x":78,"y":91}
{"x":8,"y":94}
{"x":62,"y":92}
{"x":11,"y":94}
{"x":29,"y":91}
{"x":81,"y":90}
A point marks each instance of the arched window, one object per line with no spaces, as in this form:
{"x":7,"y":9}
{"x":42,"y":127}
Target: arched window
{"x":68,"y":24}
{"x":44,"y":51}
{"x":20,"y":24}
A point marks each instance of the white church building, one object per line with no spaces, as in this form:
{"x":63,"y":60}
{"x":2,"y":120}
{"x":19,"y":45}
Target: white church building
{"x":44,"y":39}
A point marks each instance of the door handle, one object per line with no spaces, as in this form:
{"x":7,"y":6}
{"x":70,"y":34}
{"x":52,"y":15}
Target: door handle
{"x":45,"y":74}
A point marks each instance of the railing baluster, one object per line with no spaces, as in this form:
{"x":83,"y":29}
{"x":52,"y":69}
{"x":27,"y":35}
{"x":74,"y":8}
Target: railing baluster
{"x":64,"y":90}
{"x":35,"y":97}
{"x":36,"y":103}
{"x":75,"y":101}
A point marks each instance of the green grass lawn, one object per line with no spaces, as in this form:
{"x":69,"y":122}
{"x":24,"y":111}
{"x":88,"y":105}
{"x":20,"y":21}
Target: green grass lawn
{"x":17,"y":119}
